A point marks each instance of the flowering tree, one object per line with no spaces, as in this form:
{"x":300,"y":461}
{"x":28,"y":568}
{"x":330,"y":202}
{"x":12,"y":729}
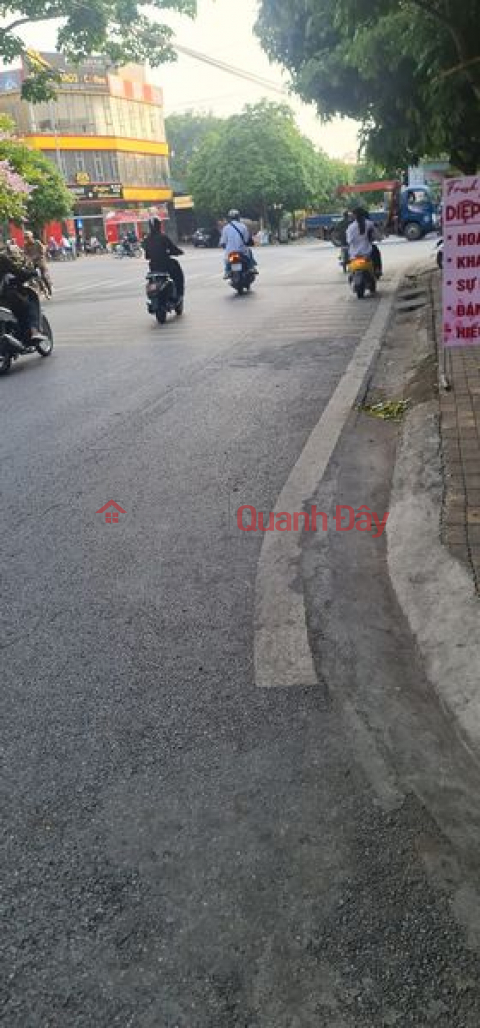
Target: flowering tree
{"x":36,"y":191}
{"x":14,"y":193}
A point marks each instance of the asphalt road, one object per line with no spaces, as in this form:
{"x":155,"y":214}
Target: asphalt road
{"x":184,"y":849}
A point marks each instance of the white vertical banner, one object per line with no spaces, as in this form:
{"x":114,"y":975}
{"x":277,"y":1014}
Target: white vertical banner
{"x":461,"y":261}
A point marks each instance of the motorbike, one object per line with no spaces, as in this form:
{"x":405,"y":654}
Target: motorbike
{"x":361,"y":276}
{"x":439,"y":254}
{"x":9,"y":326}
{"x":162,"y":296}
{"x":343,"y":258}
{"x":128,"y":250}
{"x":240,"y":274}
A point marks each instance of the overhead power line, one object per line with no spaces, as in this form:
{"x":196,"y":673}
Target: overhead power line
{"x":231,"y":69}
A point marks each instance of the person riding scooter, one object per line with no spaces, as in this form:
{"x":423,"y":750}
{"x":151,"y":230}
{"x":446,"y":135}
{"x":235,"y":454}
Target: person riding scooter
{"x":35,"y":252}
{"x":160,"y":251}
{"x":360,"y":236}
{"x":341,"y":236}
{"x":237,"y":238}
{"x":13,"y":274}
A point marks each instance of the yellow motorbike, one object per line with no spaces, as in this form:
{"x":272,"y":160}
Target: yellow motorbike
{"x":361,"y":276}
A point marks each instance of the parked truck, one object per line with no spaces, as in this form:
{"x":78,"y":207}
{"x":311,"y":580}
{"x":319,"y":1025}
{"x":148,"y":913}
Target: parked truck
{"x":407,"y":211}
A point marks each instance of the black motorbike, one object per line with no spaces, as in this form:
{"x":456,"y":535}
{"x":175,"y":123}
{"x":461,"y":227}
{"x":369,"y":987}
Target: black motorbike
{"x":439,"y":254}
{"x":240,"y":273}
{"x":16,"y":346}
{"x":162,"y":298}
{"x":344,"y":258}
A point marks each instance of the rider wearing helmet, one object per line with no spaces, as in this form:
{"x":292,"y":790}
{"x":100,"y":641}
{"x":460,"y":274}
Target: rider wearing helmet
{"x":160,"y":251}
{"x":237,"y":238}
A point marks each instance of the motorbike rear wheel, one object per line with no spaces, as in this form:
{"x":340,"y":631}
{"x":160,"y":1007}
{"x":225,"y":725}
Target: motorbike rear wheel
{"x":359,"y":286}
{"x":161,"y":316}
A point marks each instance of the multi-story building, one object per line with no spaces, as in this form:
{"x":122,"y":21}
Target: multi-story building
{"x":105,"y":132}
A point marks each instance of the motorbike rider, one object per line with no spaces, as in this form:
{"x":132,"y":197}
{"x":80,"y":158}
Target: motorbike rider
{"x":360,"y":235}
{"x":35,"y":252}
{"x":237,"y":238}
{"x":13,"y":274}
{"x":160,"y":251}
{"x":341,"y":230}
{"x":126,"y":244}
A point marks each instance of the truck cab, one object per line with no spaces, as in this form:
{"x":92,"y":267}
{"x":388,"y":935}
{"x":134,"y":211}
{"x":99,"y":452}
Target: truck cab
{"x":408,"y":210}
{"x":417,"y":212}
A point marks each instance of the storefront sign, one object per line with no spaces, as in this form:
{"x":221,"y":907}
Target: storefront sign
{"x":98,"y":191}
{"x":130,"y":215}
{"x":461,"y":261}
{"x":91,"y":75}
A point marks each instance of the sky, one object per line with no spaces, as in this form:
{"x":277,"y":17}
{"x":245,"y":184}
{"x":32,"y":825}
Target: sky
{"x":223,"y":30}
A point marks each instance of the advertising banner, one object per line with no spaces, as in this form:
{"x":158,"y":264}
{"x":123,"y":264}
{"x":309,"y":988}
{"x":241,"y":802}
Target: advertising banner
{"x":132,"y":215}
{"x":461,"y":261}
{"x":90,"y":75}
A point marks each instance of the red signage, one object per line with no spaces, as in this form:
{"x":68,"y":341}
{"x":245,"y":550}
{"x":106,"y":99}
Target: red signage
{"x":128,"y":216}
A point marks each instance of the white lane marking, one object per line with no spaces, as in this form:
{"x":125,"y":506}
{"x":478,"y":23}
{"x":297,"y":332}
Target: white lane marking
{"x":281,"y":651}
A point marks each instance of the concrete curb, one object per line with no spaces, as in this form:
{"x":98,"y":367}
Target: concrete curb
{"x":282,"y":652}
{"x":435,"y":591}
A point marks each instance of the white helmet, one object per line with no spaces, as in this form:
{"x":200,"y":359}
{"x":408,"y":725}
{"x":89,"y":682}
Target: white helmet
{"x":233,"y":214}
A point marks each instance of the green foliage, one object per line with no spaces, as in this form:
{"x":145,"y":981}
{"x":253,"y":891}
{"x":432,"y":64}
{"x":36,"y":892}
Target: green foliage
{"x":185,"y":134}
{"x":388,"y":64}
{"x":259,"y":162}
{"x":123,"y":30}
{"x":49,"y":199}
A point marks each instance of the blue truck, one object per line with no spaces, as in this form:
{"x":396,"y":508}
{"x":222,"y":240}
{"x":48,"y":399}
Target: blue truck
{"x":408,"y":211}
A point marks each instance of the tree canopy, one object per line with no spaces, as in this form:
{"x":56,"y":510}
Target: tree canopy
{"x":46,"y":197}
{"x":260,"y":162}
{"x":408,"y":70}
{"x":185,"y":134}
{"x":123,"y":30}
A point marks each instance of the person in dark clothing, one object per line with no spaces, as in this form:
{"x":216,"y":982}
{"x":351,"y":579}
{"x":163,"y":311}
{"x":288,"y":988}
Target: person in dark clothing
{"x":160,"y":251}
{"x":341,"y":228}
{"x":22,"y":305}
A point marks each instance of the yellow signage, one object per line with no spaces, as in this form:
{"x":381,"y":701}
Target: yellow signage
{"x":183,"y":203}
{"x":116,"y":143}
{"x":37,"y":61}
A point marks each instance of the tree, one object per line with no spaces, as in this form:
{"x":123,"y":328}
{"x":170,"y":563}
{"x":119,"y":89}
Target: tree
{"x":407,"y":69}
{"x":185,"y":134}
{"x":259,"y":162}
{"x":48,"y":198}
{"x":123,"y":30}
{"x":14,"y":192}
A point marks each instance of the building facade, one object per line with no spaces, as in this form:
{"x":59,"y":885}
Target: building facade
{"x":105,"y":132}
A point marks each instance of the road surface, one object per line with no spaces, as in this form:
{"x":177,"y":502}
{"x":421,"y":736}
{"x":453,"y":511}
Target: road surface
{"x":184,"y":848}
